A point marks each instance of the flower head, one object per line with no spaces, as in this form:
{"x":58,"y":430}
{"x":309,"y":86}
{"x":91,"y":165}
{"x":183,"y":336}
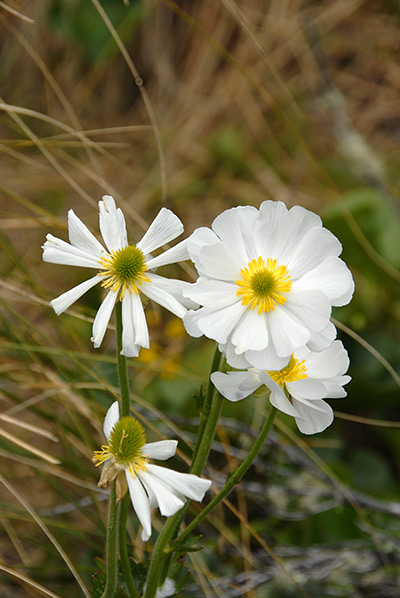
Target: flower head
{"x":126,"y":459}
{"x":268,"y":280}
{"x":124,"y":271}
{"x":298,"y":388}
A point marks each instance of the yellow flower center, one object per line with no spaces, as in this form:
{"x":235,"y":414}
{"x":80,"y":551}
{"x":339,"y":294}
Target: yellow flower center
{"x":263,"y":284}
{"x":293,"y":371}
{"x":125,"y":447}
{"x":124,"y":269}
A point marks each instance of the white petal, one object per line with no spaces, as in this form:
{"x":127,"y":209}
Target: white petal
{"x":64,"y":301}
{"x":277,"y":397}
{"x":308,"y":388}
{"x":330,"y":362}
{"x":235,"y":228}
{"x":267,"y":359}
{"x":111,"y":418}
{"x":168,"y":502}
{"x":164,"y":228}
{"x":178,"y":253}
{"x":187,"y":484}
{"x":281,"y":402}
{"x":201,"y":237}
{"x":159,"y":294}
{"x":81,"y":237}
{"x":316,"y":245}
{"x":334,"y":387}
{"x":163,"y":449}
{"x":139,"y":322}
{"x":251,"y":334}
{"x":333,"y":278}
{"x":176,"y":288}
{"x":321,"y":340}
{"x":216,"y":261}
{"x":57,"y":251}
{"x":309,"y":307}
{"x":313,"y":421}
{"x":102,"y":318}
{"x":218,"y":324}
{"x":235,"y":386}
{"x":167,"y":589}
{"x":287,"y":333}
{"x":212,"y":293}
{"x":278,"y":231}
{"x":130,"y":344}
{"x":191,"y":319}
{"x":141,"y":504}
{"x":112,"y":224}
{"x":236,"y":361}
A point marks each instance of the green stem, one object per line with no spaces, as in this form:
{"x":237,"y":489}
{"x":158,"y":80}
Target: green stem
{"x":235,"y":477}
{"x":123,"y":548}
{"x":121,"y":360}
{"x":160,"y":560}
{"x":111,"y":547}
{"x":215,"y":365}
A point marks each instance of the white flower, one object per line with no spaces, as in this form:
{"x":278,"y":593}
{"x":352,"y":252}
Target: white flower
{"x":268,"y":280}
{"x":298,"y":388}
{"x":123,"y":270}
{"x":126,"y":459}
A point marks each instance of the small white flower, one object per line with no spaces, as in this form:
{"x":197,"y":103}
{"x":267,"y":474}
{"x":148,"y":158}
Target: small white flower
{"x":123,"y":270}
{"x":126,"y":459}
{"x":298,"y":388}
{"x":268,"y":280}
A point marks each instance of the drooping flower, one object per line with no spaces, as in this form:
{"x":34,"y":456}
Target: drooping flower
{"x":298,"y":388}
{"x":125,"y":271}
{"x":268,"y":279}
{"x":126,"y":460}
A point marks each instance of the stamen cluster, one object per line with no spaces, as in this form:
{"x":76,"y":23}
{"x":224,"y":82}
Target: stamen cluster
{"x":263,"y":284}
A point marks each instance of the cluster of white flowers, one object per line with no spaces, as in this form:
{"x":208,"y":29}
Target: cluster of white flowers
{"x":268,"y":279}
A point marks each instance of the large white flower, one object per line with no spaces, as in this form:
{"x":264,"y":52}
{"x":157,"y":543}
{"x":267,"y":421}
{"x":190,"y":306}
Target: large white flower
{"x":123,"y":270}
{"x":297,"y":389}
{"x":126,"y":459}
{"x":268,"y":280}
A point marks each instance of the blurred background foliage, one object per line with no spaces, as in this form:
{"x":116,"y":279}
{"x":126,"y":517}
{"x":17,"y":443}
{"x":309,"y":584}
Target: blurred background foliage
{"x":199,"y":106}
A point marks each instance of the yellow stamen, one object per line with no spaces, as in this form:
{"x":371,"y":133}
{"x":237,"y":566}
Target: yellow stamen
{"x":263,"y":284}
{"x":293,"y":371}
{"x":101,"y":456}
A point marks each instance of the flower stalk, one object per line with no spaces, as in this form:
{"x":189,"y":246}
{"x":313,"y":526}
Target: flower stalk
{"x":122,"y":367}
{"x":235,"y":477}
{"x":111,"y":546}
{"x":211,"y":410}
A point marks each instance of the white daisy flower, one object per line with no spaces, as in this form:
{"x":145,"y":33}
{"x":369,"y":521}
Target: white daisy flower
{"x":298,"y":388}
{"x":268,"y":280}
{"x":126,"y":459}
{"x":123,"y":270}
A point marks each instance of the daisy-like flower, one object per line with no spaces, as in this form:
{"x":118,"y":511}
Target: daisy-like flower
{"x":268,"y":280}
{"x":298,"y":388}
{"x":125,"y":271}
{"x":126,"y":460}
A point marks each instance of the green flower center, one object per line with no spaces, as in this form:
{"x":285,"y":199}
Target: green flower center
{"x":124,"y":269}
{"x":128,"y":263}
{"x":262,"y":283}
{"x":126,"y":440}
